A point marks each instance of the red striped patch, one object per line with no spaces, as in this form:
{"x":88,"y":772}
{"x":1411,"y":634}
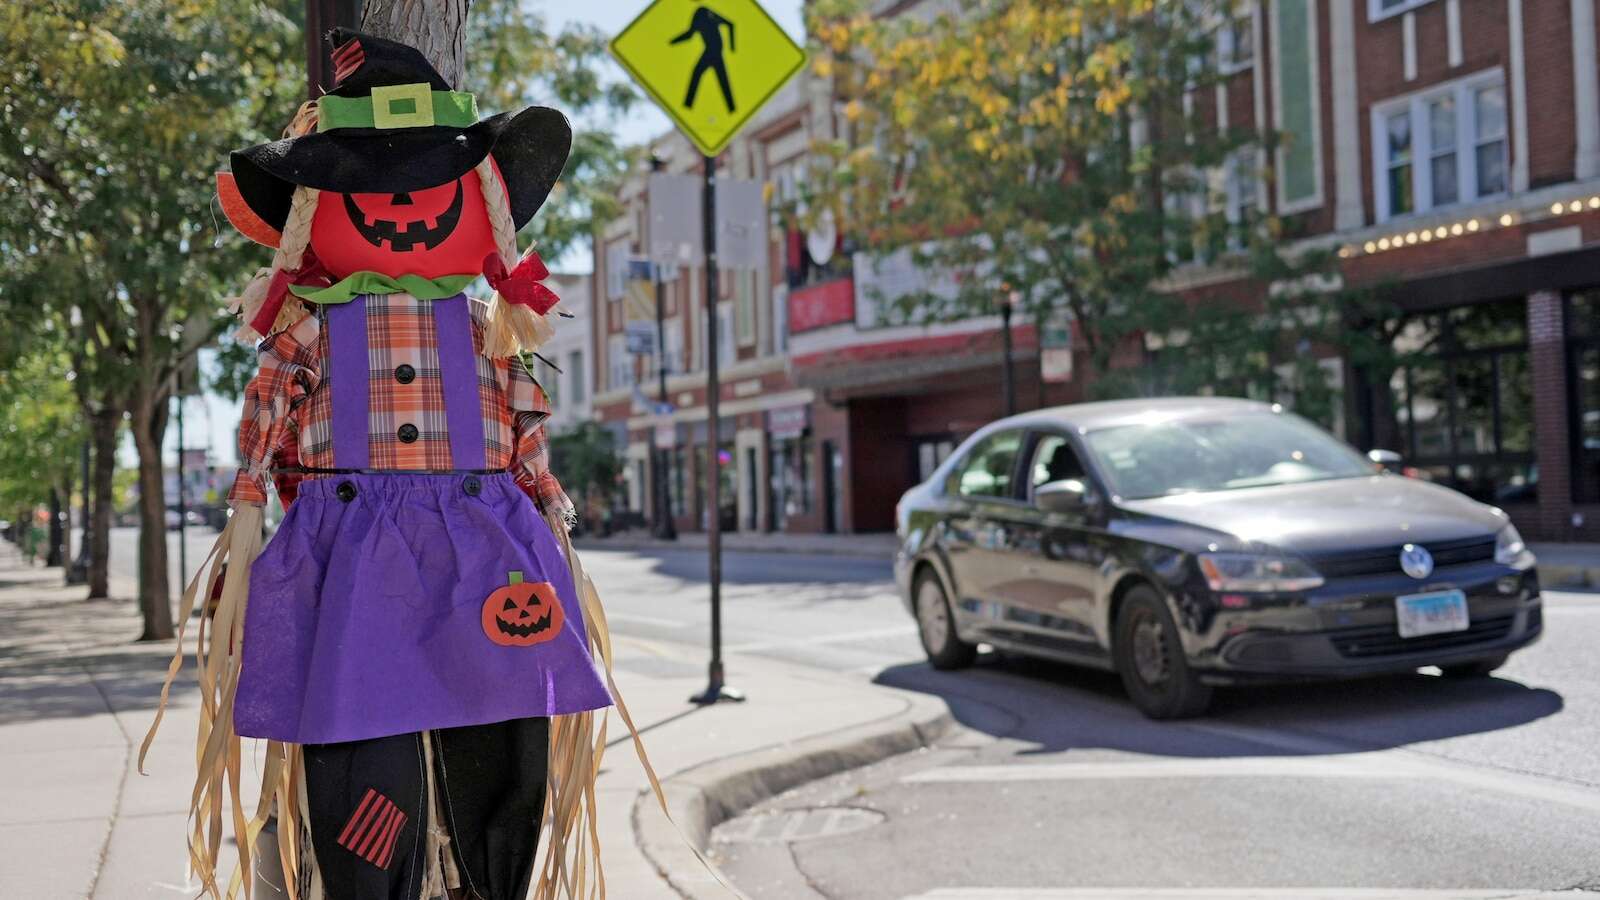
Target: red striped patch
{"x":373,"y":829}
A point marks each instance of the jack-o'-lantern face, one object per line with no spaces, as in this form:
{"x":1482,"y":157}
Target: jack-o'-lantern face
{"x":436,"y":231}
{"x":522,"y":613}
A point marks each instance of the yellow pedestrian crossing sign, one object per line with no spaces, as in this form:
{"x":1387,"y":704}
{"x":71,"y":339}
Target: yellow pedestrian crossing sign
{"x":710,"y":64}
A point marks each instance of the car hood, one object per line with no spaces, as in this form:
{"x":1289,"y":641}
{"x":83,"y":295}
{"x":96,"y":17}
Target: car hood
{"x":1320,"y":517}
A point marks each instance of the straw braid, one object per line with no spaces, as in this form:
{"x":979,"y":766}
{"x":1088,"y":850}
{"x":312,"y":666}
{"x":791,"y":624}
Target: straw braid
{"x":508,"y":328}
{"x":291,"y":252}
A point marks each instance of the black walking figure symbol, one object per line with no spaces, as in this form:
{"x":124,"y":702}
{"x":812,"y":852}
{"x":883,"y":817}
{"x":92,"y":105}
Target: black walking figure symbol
{"x":708,"y":25}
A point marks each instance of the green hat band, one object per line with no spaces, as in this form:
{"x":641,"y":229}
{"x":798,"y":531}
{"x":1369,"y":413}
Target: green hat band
{"x":398,"y":106}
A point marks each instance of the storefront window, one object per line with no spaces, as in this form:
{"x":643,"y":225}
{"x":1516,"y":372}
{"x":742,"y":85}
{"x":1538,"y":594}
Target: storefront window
{"x":675,"y":483}
{"x":1464,"y":401}
{"x":789,"y":463}
{"x":1583,"y":325}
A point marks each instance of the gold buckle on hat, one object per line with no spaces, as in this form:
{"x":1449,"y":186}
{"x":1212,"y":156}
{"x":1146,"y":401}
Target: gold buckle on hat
{"x":402,"y":106}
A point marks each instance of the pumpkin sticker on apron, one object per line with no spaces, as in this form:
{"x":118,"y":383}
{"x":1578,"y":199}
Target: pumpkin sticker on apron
{"x":522,"y":613}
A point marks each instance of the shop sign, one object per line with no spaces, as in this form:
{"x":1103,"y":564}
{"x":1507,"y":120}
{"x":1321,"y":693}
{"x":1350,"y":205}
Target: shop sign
{"x":818,"y":306}
{"x":1055,"y":348}
{"x":789,"y":421}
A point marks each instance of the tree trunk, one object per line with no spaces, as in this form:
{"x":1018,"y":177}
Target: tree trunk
{"x":103,"y":428}
{"x":436,"y":27}
{"x":155,"y":600}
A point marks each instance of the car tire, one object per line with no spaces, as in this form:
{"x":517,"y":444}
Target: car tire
{"x":936,"y":625}
{"x":1149,"y":657}
{"x":1481,"y":668}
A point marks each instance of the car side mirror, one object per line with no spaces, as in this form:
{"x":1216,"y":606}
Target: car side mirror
{"x":1069,"y":495}
{"x":1387,"y":460}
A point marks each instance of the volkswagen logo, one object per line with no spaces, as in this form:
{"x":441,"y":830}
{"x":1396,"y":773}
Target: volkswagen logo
{"x":1416,"y":561}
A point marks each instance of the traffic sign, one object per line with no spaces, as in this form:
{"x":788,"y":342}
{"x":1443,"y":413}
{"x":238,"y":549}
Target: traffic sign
{"x":710,"y":64}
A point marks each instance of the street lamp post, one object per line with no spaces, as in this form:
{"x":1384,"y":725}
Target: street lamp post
{"x":1008,"y":387}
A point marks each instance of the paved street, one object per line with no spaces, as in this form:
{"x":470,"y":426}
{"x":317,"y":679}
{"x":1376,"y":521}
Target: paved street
{"x":1055,"y":784}
{"x":1054,"y":788}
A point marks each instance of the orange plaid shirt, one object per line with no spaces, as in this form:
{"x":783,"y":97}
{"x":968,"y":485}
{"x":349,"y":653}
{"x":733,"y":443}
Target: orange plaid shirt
{"x":288,"y":410}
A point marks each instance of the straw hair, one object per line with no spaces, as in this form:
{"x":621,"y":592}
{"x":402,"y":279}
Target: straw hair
{"x":288,"y":257}
{"x":508,"y":328}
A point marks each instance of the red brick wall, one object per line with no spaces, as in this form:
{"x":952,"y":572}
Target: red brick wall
{"x":1547,"y":32}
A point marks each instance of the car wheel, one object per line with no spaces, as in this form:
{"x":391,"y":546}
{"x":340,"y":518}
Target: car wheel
{"x":1149,"y":657}
{"x":1481,"y":668}
{"x":936,"y":625}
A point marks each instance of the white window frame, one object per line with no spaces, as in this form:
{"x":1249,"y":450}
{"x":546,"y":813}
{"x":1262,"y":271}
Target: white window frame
{"x":1376,"y":12}
{"x":1227,"y":50}
{"x":1416,"y":104}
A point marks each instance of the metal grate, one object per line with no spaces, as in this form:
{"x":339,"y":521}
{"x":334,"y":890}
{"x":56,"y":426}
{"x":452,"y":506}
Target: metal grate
{"x":1386,"y":560}
{"x":1382,"y":640}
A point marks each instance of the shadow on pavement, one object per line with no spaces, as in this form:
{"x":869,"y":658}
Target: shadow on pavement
{"x":1054,"y":707}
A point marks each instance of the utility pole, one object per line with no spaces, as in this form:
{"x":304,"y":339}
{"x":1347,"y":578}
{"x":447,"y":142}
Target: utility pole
{"x":1008,"y":299}
{"x":716,"y":688}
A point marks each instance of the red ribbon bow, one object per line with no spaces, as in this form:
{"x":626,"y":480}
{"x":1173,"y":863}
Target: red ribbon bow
{"x":521,"y":285}
{"x":311,"y":271}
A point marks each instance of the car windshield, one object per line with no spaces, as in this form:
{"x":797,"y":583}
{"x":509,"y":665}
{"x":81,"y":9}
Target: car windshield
{"x":1158,"y":459}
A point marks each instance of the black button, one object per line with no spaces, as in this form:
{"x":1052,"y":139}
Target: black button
{"x":346,"y":491}
{"x":472,"y":486}
{"x":404,"y":374}
{"x":407,"y":433}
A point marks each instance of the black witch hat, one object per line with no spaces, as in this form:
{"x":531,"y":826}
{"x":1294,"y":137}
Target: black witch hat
{"x":392,"y":124}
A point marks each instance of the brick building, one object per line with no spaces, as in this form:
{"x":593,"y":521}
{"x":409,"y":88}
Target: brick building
{"x":1450,"y":150}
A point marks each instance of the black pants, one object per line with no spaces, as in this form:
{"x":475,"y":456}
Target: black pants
{"x":369,"y":808}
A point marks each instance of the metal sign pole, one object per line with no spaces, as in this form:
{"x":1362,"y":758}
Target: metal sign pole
{"x":716,"y":689}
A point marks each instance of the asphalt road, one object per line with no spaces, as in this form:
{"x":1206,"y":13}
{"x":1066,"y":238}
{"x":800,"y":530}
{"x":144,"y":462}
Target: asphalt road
{"x":1054,"y":788}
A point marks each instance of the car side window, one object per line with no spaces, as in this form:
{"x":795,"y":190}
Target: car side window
{"x":987,"y":472}
{"x":1054,"y":459}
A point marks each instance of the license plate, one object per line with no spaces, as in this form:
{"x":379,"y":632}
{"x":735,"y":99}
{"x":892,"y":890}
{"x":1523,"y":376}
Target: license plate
{"x":1436,"y":612}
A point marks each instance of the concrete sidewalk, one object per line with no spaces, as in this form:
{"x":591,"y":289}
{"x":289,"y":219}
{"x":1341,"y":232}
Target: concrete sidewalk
{"x":76,"y":696}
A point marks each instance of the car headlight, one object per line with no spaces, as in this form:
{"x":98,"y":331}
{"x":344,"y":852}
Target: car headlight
{"x":1250,"y":573}
{"x":1509,"y":549}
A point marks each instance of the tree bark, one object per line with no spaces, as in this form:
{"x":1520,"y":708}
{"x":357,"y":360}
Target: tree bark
{"x":155,"y":599}
{"x":103,"y":428}
{"x":436,"y":27}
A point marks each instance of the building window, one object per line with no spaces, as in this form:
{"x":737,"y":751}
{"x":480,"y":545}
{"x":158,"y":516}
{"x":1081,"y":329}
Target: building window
{"x":790,"y":476}
{"x":575,"y":376}
{"x":1241,"y":196}
{"x":745,"y":306}
{"x":1295,"y":105}
{"x":1383,"y":9}
{"x":550,"y":380}
{"x":1463,"y":401}
{"x":1236,"y":41}
{"x":1583,"y":355}
{"x":930,"y":453}
{"x":1441,"y":147}
{"x":619,"y":371}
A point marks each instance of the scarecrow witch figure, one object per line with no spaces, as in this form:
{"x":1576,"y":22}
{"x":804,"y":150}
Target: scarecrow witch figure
{"x":416,"y":643}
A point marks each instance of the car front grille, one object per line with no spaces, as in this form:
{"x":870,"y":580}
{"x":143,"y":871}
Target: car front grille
{"x":1382,"y":640}
{"x":1386,"y":561}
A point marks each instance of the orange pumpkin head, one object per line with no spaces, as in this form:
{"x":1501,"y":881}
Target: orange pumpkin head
{"x":522,"y":613}
{"x":432,"y":232}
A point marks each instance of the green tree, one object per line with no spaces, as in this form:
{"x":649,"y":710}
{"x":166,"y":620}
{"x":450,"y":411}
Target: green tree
{"x":586,"y":456}
{"x":1035,"y":148}
{"x":41,"y":433}
{"x":113,"y":117}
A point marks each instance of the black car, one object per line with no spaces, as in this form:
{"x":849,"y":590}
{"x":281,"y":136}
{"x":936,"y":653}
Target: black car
{"x":1193,"y":542}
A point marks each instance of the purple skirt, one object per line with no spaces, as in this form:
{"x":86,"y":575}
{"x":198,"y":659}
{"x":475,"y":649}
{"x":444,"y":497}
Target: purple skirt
{"x":388,"y":604}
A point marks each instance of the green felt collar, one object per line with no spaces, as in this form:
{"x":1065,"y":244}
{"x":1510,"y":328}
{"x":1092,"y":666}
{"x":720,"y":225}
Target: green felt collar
{"x":374,"y":283}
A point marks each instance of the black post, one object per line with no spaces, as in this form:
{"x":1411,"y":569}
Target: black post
{"x":660,"y":457}
{"x":78,"y":573}
{"x":1007,"y":382}
{"x":716,"y":689}
{"x":183,"y":506}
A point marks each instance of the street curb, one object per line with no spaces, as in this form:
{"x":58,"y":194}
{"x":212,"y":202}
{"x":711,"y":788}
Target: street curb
{"x":706,"y":795}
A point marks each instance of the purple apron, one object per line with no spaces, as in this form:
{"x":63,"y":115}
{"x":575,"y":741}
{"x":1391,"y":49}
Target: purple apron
{"x":389,"y":604}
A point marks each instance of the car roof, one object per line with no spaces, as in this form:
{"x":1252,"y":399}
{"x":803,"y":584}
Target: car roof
{"x":1143,"y":411}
